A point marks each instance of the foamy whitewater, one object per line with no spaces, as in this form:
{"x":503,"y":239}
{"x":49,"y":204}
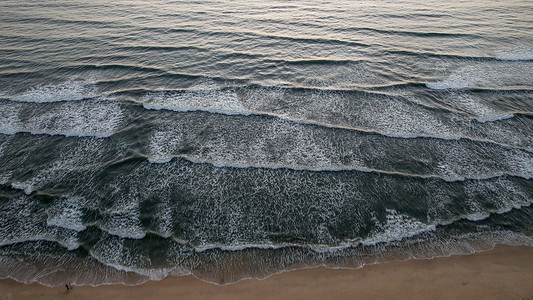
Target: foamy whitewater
{"x":238,"y":139}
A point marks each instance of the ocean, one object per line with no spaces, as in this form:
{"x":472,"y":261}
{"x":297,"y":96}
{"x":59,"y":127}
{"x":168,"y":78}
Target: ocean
{"x":240,"y":139}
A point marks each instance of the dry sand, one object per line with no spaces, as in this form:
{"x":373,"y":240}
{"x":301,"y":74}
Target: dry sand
{"x":502,"y":273}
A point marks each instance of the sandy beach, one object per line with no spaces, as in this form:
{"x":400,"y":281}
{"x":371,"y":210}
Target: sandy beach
{"x":502,"y":273}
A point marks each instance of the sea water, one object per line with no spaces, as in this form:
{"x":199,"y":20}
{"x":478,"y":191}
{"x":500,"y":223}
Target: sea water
{"x":238,"y":139}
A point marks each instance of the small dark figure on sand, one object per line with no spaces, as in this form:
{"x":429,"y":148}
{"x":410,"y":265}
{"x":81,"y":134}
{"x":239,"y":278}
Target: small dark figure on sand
{"x":68,"y":286}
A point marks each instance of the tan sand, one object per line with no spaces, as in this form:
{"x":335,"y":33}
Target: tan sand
{"x":502,"y":273}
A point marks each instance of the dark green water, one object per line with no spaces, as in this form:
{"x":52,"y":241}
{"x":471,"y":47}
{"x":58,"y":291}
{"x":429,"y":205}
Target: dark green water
{"x":236,"y":139}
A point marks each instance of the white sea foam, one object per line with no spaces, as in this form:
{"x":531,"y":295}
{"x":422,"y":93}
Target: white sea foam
{"x":71,"y":156}
{"x":87,"y":118}
{"x":25,"y":186}
{"x":123,"y":217}
{"x":269,"y":144}
{"x":23,"y":219}
{"x":239,"y":247}
{"x":318,"y":248}
{"x":9,"y":117}
{"x":112,"y":251}
{"x":491,"y":117}
{"x":483,"y":198}
{"x":510,"y":134}
{"x":70,"y":90}
{"x":151,"y":183}
{"x":4,"y":142}
{"x":461,"y":160}
{"x":4,"y":177}
{"x":55,"y":173}
{"x":125,"y":224}
{"x":448,"y":172}
{"x":519,"y":52}
{"x":487,"y":75}
{"x":214,"y":226}
{"x":163,"y":218}
{"x":521,"y":164}
{"x":274,"y":144}
{"x":162,"y":221}
{"x":305,"y":150}
{"x":65,"y":213}
{"x":398,"y":119}
{"x":389,"y":116}
{"x":384,"y":115}
{"x":80,"y":118}
{"x":477,"y":216}
{"x":164,"y":143}
{"x":112,"y":257}
{"x":500,"y":195}
{"x":227,"y":221}
{"x":396,"y":228}
{"x":483,"y":112}
{"x":71,"y":242}
{"x":205,"y":95}
{"x":43,"y":269}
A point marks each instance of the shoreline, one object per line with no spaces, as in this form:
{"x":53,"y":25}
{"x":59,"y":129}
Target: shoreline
{"x":505,"y":272}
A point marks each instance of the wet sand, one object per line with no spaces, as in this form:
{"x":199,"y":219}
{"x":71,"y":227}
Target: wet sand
{"x":502,"y":273}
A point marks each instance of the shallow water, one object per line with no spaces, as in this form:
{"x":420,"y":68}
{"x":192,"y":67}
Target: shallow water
{"x":236,"y":139}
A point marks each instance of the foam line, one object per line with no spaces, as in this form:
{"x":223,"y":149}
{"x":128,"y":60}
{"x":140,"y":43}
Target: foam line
{"x":81,"y":118}
{"x":117,"y":252}
{"x":276,"y":144}
{"x":384,"y":115}
{"x":517,"y":53}
{"x":487,"y":75}
{"x":26,"y":267}
{"x":204,"y":95}
{"x":38,"y":261}
{"x":445,"y":175}
{"x":481,"y":199}
{"x":70,"y":90}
